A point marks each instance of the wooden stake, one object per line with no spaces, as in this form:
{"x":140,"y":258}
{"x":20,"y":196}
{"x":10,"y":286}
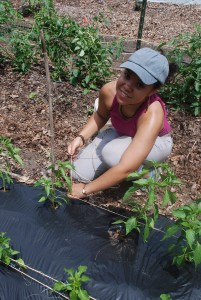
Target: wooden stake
{"x":49,"y":92}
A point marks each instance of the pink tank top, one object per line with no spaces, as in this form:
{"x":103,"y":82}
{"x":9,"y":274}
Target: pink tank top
{"x":128,"y":127}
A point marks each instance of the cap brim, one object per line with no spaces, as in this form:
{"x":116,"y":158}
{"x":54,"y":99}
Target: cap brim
{"x":146,"y":77}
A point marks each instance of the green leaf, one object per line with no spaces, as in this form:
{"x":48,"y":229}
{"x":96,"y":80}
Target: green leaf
{"x":170,"y":231}
{"x":18,"y":159}
{"x":21,"y":262}
{"x":141,"y":182}
{"x":129,"y":193}
{"x":84,"y":278}
{"x":179,"y":260}
{"x":151,"y":197}
{"x":179,"y":214}
{"x":173,"y":196}
{"x":42,"y":199}
{"x":73,"y":295}
{"x":197,"y":254}
{"x":81,"y":53}
{"x":190,"y":237}
{"x":83,"y":295}
{"x":118,"y":222}
{"x":131,"y":224}
{"x":82,"y":269}
{"x":146,"y":232}
{"x":165,"y":297}
{"x":6,"y":260}
{"x":166,"y":198}
{"x":59,"y":286}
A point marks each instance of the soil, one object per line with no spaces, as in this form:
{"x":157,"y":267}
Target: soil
{"x":24,"y":105}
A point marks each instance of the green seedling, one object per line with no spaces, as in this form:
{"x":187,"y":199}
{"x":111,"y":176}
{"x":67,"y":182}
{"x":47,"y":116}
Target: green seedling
{"x":59,"y":180}
{"x":147,"y":214}
{"x":6,"y":251}
{"x":8,"y":154}
{"x":188,"y":229}
{"x":73,"y":284}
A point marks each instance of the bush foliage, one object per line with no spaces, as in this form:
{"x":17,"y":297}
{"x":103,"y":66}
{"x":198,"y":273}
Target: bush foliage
{"x":184,"y":89}
{"x":76,"y":51}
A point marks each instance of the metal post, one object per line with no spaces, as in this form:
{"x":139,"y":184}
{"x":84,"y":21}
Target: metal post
{"x":141,"y":24}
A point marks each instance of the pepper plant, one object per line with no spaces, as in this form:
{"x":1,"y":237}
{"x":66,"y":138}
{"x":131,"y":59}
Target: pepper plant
{"x":184,"y":89}
{"x":73,"y":284}
{"x":188,"y":230}
{"x":147,"y":214}
{"x":7,"y":252}
{"x":8,"y":154}
{"x":76,"y":51}
{"x":59,"y":180}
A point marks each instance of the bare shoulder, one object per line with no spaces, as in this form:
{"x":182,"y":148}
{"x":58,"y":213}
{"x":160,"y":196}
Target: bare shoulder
{"x":107,"y":93}
{"x":155,"y":109}
{"x":153,"y":116}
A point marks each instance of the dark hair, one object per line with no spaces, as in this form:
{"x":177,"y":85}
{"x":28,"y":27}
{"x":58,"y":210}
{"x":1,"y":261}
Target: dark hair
{"x":173,"y":68}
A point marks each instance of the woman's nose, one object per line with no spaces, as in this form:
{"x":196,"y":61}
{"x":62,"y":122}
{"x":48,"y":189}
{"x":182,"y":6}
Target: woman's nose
{"x":129,"y":86}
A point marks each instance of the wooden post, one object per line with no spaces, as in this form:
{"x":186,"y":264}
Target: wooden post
{"x":141,"y":24}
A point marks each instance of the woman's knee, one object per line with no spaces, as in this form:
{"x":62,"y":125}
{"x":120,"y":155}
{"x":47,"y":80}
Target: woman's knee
{"x":161,"y":150}
{"x":113,"y":151}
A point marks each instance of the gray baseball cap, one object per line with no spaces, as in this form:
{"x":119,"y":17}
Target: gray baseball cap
{"x":149,"y":65}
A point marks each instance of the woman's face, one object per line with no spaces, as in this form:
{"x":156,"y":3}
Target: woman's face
{"x":131,"y":90}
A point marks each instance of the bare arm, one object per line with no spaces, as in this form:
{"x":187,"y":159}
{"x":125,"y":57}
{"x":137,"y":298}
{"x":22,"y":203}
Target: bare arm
{"x":98,"y":119}
{"x":149,"y":125}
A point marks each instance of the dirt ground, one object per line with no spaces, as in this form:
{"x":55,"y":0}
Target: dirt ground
{"x":24,"y":117}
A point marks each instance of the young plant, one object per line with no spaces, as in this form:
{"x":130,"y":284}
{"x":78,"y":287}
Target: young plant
{"x":8,"y":154}
{"x":188,"y":229}
{"x":58,"y":180}
{"x":73,"y":284}
{"x":6,"y":251}
{"x":147,"y":213}
{"x":184,"y":90}
{"x":24,"y":51}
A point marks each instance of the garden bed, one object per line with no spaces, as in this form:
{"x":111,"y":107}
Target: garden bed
{"x":24,"y":107}
{"x":50,"y":237}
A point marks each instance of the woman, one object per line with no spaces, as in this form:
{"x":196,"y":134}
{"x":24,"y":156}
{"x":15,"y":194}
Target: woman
{"x":140,"y":131}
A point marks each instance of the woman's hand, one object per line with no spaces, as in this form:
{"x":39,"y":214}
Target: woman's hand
{"x":75,"y":146}
{"x":77,"y":190}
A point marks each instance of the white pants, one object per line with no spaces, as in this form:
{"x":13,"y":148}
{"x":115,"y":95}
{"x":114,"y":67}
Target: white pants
{"x":105,"y":151}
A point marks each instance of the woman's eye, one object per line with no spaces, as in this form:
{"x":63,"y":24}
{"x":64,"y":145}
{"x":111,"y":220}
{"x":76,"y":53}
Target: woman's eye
{"x":127,"y":74}
{"x":140,"y":84}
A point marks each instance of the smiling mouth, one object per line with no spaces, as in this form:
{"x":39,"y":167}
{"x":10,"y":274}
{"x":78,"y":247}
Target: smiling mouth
{"x":125,"y":94}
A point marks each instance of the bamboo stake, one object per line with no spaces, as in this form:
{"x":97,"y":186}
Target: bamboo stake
{"x":49,"y":92}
